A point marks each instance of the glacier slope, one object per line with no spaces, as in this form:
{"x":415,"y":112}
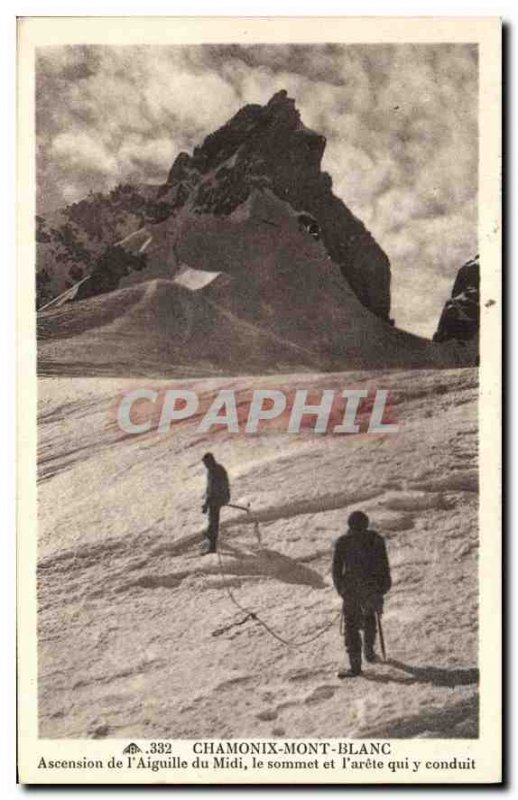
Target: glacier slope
{"x":137,"y":635}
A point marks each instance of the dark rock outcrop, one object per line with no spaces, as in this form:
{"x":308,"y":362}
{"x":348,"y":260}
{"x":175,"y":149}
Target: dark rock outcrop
{"x":114,"y":264}
{"x":460,"y":318}
{"x":76,"y":241}
{"x":268,"y":147}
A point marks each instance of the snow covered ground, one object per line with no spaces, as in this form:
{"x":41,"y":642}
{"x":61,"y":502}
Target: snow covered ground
{"x":138,"y":636}
{"x":279,"y":304}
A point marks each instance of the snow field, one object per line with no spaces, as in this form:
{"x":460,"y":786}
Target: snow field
{"x":131,"y":617}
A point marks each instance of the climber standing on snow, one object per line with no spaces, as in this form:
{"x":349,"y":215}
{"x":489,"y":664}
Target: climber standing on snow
{"x":361,"y":575}
{"x":216,"y":496}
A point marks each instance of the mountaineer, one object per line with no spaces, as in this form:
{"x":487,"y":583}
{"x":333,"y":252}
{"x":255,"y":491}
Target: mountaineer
{"x":217,"y":495}
{"x":361,"y":575}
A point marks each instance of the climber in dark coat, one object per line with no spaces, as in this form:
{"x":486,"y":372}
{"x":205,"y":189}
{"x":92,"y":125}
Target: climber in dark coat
{"x":361,"y":575}
{"x":217,"y":495}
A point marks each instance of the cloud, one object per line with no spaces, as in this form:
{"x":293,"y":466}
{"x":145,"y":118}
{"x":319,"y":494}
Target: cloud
{"x":400,"y":121}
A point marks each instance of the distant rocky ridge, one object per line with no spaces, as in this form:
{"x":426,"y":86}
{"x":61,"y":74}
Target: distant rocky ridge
{"x":460,"y":318}
{"x":75,"y":241}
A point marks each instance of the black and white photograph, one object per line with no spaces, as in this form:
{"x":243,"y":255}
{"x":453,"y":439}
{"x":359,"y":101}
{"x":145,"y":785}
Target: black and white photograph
{"x":265,"y":319}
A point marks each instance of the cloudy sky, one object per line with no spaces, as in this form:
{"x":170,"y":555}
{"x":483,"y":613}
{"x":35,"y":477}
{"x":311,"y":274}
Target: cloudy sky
{"x":400,"y":123}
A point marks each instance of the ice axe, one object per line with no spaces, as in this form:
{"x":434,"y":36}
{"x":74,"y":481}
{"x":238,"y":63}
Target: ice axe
{"x":248,"y":511}
{"x":382,"y":638}
{"x":241,"y":508}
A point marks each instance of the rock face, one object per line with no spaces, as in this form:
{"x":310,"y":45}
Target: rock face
{"x":268,"y":147}
{"x":460,"y":318}
{"x":261,"y":148}
{"x":243,"y":262}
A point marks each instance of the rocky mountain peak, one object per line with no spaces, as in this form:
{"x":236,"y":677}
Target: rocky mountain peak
{"x":244,"y":261}
{"x":269,"y":147}
{"x":262,"y":150}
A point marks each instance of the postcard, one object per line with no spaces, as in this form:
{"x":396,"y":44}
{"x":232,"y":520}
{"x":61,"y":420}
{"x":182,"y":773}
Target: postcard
{"x":259,"y":348}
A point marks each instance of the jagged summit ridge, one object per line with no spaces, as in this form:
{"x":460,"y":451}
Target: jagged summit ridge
{"x":261,"y":149}
{"x":254,"y":125}
{"x":260,"y":269}
{"x":269,"y":147}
